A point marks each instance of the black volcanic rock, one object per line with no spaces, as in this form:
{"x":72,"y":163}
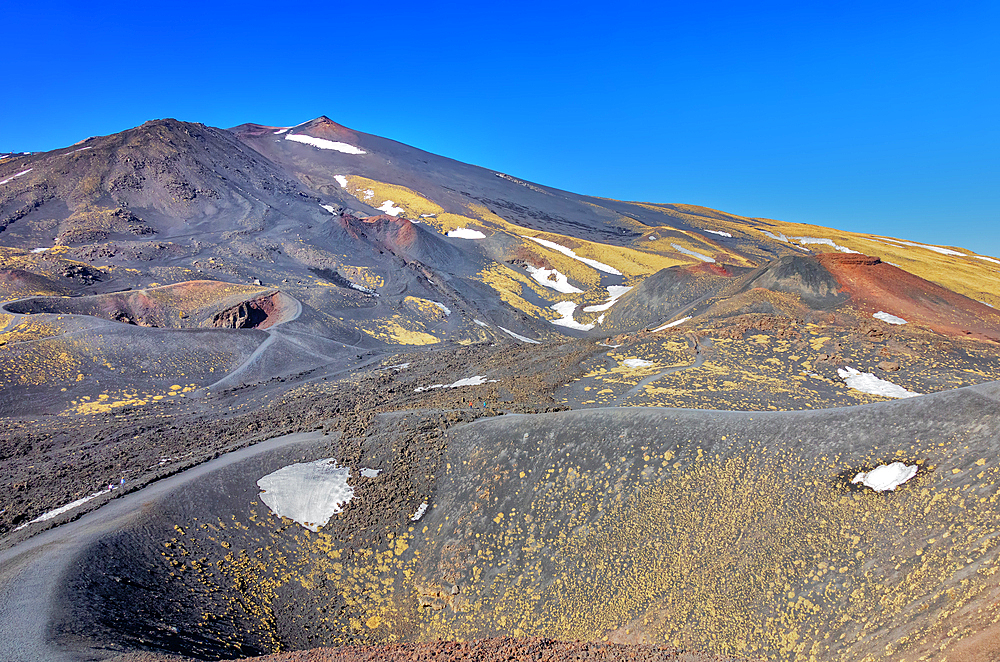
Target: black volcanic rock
{"x":803,"y":276}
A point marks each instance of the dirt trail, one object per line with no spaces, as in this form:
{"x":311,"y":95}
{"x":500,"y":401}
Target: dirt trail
{"x":31,"y":572}
{"x":699,"y":359}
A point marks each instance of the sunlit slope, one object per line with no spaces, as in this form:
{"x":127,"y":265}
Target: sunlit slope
{"x":733,"y":534}
{"x":345,"y":221}
{"x":76,"y":363}
{"x":736,"y":533}
{"x":497,"y":215}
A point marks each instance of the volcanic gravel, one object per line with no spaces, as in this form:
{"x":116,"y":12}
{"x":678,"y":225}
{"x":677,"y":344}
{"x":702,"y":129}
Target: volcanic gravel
{"x":503,"y":649}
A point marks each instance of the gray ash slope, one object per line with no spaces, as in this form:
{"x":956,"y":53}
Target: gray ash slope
{"x":452,"y":182}
{"x":739,"y":533}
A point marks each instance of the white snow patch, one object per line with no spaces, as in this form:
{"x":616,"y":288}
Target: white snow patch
{"x":518,"y":336}
{"x":322,"y":143}
{"x":988,"y":259}
{"x":687,"y":251}
{"x":39,"y":250}
{"x":20,"y":174}
{"x":568,"y":252}
{"x":552,"y":279}
{"x":614,"y":293}
{"x":825,"y":242}
{"x":886,"y":317}
{"x":987,"y":304}
{"x":720,"y":233}
{"x":446,"y":309}
{"x":478,"y":380}
{"x":428,"y":215}
{"x":362,"y":288}
{"x":329,"y":208}
{"x":481,"y":323}
{"x":281,"y":131}
{"x":887,"y":476}
{"x":309,"y":493}
{"x":604,"y":344}
{"x":671,"y":324}
{"x":80,"y":150}
{"x":866,"y":382}
{"x":636,"y":363}
{"x":390,"y":209}
{"x":466,"y":233}
{"x":421,"y":509}
{"x":600,"y":318}
{"x":398,"y":366}
{"x":780,"y":236}
{"x":370,"y":473}
{"x":566,"y":308}
{"x":341,"y":180}
{"x":369,"y":194}
{"x":62,"y":509}
{"x":936,"y":249}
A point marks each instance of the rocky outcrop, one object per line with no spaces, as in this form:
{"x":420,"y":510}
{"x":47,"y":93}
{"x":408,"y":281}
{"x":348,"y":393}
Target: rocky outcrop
{"x":250,"y":314}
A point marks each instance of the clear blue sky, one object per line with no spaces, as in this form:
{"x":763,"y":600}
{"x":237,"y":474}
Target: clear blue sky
{"x":879,"y":117}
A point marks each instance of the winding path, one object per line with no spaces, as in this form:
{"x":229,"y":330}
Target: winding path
{"x":32,"y":571}
{"x":699,"y":359}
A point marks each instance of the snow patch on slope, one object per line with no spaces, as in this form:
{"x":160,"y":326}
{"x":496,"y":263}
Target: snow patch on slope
{"x":688,"y":251}
{"x":309,"y":493}
{"x":322,"y":143}
{"x":390,"y":209}
{"x":341,"y":180}
{"x":636,"y":363}
{"x":478,"y":380}
{"x":465,"y":233}
{"x":671,"y":324}
{"x":446,"y":309}
{"x":519,"y":336}
{"x":62,"y":509}
{"x":552,"y":279}
{"x":20,"y":174}
{"x":566,"y":308}
{"x":886,"y":317}
{"x":936,"y":249}
{"x":825,"y":242}
{"x":866,"y":382}
{"x":780,"y":236}
{"x":720,"y":233}
{"x":614,"y":292}
{"x":887,"y":476}
{"x":568,"y":252}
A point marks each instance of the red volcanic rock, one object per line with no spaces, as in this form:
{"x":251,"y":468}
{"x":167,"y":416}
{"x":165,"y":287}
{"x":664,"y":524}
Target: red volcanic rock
{"x":324,"y":127}
{"x":711,"y":268}
{"x":874,"y":285}
{"x":391,"y":233}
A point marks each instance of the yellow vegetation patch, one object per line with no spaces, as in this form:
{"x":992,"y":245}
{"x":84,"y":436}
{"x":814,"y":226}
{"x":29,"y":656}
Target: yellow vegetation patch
{"x":391,"y":331}
{"x":510,"y":284}
{"x":374,"y":193}
{"x":362,"y":276}
{"x":425,"y":308}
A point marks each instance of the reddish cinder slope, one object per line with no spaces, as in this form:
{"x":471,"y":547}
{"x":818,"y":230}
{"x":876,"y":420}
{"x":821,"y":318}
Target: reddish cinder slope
{"x":875,"y":285}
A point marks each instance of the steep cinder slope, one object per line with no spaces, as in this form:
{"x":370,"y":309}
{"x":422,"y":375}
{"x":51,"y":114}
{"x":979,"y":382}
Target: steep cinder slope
{"x":738,"y":533}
